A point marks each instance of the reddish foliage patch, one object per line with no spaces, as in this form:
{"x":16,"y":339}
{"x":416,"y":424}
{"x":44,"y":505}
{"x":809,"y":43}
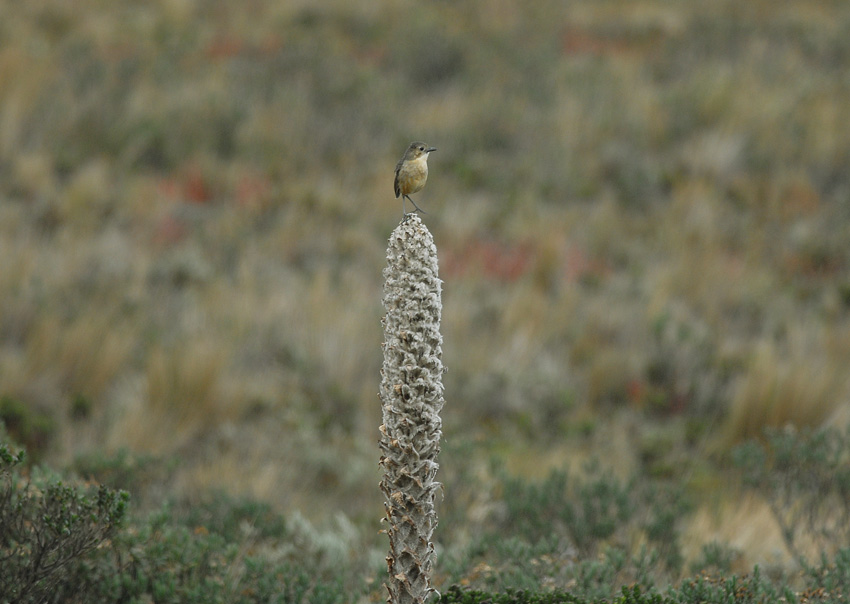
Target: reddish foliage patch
{"x":578,"y":265}
{"x":577,"y":41}
{"x":500,"y":261}
{"x":195,"y":187}
{"x":252,"y":190}
{"x":224,"y":47}
{"x":508,"y":262}
{"x":190,"y":185}
{"x":169,"y":230}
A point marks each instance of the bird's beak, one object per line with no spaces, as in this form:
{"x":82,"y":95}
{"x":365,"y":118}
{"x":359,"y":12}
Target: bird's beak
{"x":429,"y":149}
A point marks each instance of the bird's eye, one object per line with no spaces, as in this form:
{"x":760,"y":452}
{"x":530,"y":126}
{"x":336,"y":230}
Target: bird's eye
{"x":421,"y":148}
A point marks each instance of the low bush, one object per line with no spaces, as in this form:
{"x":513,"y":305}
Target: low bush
{"x":593,"y":532}
{"x":804,"y":477}
{"x":47,"y":525}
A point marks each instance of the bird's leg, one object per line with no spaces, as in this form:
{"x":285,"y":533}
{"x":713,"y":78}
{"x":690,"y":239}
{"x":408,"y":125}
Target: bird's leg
{"x":404,"y":214}
{"x":418,"y":209}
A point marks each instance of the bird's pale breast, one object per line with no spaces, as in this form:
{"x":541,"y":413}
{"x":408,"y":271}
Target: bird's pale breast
{"x":412,"y":175}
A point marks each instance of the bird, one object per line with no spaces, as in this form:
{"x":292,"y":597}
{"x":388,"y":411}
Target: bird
{"x":411,"y":172}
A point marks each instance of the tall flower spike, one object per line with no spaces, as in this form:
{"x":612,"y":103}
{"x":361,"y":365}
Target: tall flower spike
{"x":411,"y":397}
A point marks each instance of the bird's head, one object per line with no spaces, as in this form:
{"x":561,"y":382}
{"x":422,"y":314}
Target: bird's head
{"x":417,"y":150}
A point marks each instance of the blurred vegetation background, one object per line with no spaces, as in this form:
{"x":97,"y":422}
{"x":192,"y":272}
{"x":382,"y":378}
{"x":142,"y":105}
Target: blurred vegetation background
{"x":641,"y":208}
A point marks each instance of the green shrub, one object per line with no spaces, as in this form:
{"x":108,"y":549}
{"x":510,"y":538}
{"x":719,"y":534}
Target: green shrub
{"x":164,"y":561}
{"x":805,"y":479}
{"x":628,"y":595}
{"x":202,"y":556}
{"x":594,"y":532}
{"x":715,"y":556}
{"x":27,"y":425}
{"x":61,"y":541}
{"x":47,"y":526}
{"x":230,"y":517}
{"x":136,"y":473}
{"x":594,"y":510}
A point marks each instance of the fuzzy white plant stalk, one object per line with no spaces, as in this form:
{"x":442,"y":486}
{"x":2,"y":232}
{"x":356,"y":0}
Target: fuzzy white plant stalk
{"x":411,"y":397}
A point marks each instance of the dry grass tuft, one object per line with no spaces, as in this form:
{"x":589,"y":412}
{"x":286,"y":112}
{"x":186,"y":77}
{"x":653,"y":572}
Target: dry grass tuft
{"x":802,"y":387}
{"x":747,"y":525}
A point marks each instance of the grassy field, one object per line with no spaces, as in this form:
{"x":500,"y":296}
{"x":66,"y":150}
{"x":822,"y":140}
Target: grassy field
{"x":641,"y":208}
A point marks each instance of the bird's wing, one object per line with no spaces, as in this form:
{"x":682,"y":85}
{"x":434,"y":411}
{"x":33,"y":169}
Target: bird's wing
{"x":395,"y":181}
